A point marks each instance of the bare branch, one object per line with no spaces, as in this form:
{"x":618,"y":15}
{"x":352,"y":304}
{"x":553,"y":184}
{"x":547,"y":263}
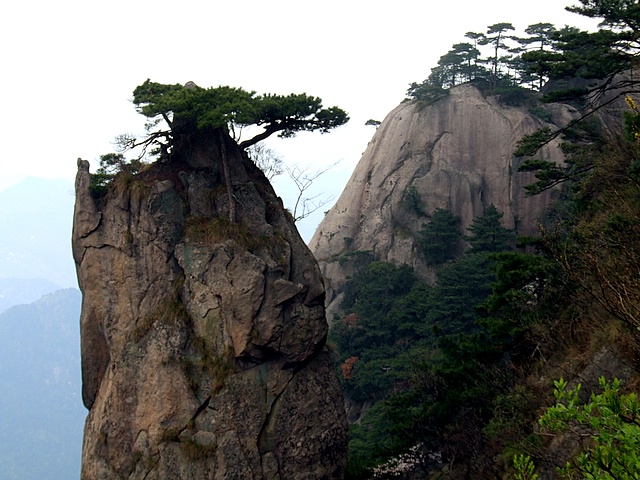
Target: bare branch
{"x":303,"y":179}
{"x":266,"y":160}
{"x":126,"y":142}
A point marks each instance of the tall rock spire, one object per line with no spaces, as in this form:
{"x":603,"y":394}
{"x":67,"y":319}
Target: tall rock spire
{"x":203,"y":350}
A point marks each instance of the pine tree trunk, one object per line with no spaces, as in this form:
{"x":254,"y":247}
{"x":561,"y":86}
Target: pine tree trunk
{"x":227,"y":178}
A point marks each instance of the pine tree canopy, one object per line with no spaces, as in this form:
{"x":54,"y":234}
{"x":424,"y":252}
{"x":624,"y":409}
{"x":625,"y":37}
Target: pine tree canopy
{"x":231,"y":107}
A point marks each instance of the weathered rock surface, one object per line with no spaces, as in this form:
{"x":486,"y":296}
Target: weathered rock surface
{"x":455,"y":154}
{"x":202,"y":339}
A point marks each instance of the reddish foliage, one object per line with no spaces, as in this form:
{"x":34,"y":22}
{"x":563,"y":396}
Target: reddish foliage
{"x":347,"y":367}
{"x":350,"y":320}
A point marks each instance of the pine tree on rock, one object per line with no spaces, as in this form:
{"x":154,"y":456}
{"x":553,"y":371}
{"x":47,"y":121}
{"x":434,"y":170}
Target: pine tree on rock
{"x":222,"y":111}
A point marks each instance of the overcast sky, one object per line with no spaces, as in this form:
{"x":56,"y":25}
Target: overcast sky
{"x":69,"y":67}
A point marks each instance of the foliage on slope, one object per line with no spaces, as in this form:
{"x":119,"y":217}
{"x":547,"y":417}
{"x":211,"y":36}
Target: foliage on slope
{"x":453,"y":368}
{"x":459,"y":372}
{"x":422,"y":353}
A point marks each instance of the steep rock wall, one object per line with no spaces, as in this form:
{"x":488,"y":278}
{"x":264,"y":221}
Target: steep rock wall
{"x":202,"y":339}
{"x":455,"y":154}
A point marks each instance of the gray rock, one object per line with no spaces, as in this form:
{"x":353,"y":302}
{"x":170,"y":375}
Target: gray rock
{"x":456,"y":154}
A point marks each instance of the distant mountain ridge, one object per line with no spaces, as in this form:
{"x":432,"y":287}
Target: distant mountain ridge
{"x":42,"y":416}
{"x":20,"y":291}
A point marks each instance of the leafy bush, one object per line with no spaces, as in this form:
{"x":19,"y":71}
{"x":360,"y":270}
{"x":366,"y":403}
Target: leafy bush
{"x":525,"y":469}
{"x":111,"y":164}
{"x":513,"y":96}
{"x":541,"y":113}
{"x":611,"y":419}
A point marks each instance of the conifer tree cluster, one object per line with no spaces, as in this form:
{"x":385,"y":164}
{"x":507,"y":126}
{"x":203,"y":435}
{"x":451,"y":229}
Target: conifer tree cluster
{"x":497,"y":57}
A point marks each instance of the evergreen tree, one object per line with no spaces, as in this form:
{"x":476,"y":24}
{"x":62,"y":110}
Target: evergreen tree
{"x":457,"y":65}
{"x":180,"y":111}
{"x":488,"y":234}
{"x":537,"y":53}
{"x":448,"y":70}
{"x":371,"y":294}
{"x":468,"y":56}
{"x":496,"y":37}
{"x":539,"y":36}
{"x":190,"y":107}
{"x":439,"y":239}
{"x":476,"y":37}
{"x":620,"y":15}
{"x":577,"y":54}
{"x":461,"y":285}
{"x":584,"y":55}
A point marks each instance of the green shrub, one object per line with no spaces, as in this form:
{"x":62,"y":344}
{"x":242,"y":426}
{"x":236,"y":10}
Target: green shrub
{"x":612,"y":421}
{"x":111,"y":164}
{"x":411,"y":201}
{"x":513,"y":96}
{"x":541,"y":113}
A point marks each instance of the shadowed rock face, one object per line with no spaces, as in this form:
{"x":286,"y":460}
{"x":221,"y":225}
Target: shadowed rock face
{"x":456,"y":154}
{"x":202,"y":340}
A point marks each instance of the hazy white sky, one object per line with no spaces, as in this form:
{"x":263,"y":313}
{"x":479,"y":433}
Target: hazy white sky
{"x":69,"y":67}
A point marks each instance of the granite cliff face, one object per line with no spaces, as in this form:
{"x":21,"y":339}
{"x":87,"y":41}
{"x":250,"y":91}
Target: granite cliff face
{"x":202,"y":339}
{"x":455,"y":154}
